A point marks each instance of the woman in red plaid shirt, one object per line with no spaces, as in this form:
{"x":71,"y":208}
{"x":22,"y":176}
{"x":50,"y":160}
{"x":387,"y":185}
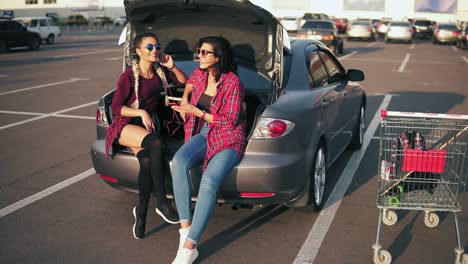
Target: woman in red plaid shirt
{"x":214,"y":136}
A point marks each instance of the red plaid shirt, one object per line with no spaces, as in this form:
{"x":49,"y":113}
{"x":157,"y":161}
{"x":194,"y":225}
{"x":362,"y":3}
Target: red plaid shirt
{"x":228,"y":127}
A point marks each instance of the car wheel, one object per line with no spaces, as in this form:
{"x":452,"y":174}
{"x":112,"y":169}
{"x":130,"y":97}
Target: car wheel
{"x":358,"y":133}
{"x":318,"y":176}
{"x":51,"y":39}
{"x":3,"y":46}
{"x":35,"y":44}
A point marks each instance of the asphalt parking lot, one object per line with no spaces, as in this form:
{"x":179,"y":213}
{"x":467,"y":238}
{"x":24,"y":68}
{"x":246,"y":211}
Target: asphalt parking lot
{"x":54,"y":209}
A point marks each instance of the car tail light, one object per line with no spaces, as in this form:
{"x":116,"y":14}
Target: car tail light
{"x":328,"y":37}
{"x":466,"y":36}
{"x":369,"y":29}
{"x":272,"y":128}
{"x":256,"y":194}
{"x":437,"y":31}
{"x":107,"y":178}
{"x":101,"y":116}
{"x":456,"y":33}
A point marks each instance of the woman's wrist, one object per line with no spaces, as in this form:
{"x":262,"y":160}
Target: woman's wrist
{"x":171,"y":68}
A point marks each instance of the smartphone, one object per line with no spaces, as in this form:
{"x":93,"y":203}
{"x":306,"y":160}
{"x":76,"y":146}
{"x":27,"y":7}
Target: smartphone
{"x":173,"y":103}
{"x":162,"y":57}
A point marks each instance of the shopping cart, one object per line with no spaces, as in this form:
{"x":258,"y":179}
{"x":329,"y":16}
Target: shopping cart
{"x":422,"y":166}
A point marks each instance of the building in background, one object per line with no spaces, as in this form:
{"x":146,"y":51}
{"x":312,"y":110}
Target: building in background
{"x":62,"y":9}
{"x":438,"y":10}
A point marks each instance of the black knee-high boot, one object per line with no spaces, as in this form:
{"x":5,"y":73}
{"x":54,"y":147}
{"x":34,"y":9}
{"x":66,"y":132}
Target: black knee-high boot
{"x":163,"y":207}
{"x":153,"y":143}
{"x":145,"y":185}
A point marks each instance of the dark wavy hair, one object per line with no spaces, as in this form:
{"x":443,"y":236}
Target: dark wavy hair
{"x":222,"y":51}
{"x":137,"y":42}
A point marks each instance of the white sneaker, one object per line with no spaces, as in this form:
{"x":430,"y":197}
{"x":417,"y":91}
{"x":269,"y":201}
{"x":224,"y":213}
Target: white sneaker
{"x":186,"y":256}
{"x":183,"y":236}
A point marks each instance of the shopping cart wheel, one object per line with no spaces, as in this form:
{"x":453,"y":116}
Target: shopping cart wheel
{"x":431,"y":219}
{"x":390,"y":217}
{"x":384,"y":258}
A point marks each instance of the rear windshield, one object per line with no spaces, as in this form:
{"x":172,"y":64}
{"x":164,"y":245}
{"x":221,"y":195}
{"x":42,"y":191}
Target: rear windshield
{"x":318,"y":24}
{"x":399,"y":24}
{"x":360,"y":23}
{"x":422,"y":23}
{"x":449,"y":27}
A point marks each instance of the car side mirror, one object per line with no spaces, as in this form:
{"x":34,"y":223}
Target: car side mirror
{"x":355,"y":75}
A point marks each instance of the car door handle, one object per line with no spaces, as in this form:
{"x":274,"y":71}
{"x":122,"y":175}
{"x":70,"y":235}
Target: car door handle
{"x":324,"y":104}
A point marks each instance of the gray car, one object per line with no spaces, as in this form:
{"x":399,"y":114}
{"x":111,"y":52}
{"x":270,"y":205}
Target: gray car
{"x":303,"y":108}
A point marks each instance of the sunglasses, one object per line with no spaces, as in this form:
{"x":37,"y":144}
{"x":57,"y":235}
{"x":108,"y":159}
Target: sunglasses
{"x":204,"y":52}
{"x":150,"y":46}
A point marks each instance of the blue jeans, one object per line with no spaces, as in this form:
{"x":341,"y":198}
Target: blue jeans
{"x":188,"y":156}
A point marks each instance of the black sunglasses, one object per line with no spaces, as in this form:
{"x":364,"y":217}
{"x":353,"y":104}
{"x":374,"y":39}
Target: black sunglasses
{"x":150,"y":46}
{"x":204,"y":52}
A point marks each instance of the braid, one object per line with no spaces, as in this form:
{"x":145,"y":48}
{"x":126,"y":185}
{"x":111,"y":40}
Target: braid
{"x":136,"y":75}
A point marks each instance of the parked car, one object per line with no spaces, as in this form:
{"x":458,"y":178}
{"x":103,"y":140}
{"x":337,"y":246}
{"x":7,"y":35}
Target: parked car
{"x":45,"y":26}
{"x":315,"y":16}
{"x":360,"y":29}
{"x":422,"y":28}
{"x":302,"y":107}
{"x":101,"y":21}
{"x":13,"y":34}
{"x":463,"y":38}
{"x":445,"y":33}
{"x":324,"y":31}
{"x":121,"y":21}
{"x":290,"y":23}
{"x":400,"y":31}
{"x":381,"y":27}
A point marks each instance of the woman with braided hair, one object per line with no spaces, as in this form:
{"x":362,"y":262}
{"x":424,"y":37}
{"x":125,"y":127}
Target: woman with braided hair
{"x":135,"y":101}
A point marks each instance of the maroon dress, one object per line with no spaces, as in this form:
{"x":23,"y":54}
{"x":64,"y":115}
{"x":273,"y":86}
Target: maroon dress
{"x":149,"y":94}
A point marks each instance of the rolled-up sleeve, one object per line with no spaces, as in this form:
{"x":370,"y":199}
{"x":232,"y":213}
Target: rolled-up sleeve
{"x":171,"y":77}
{"x":230,"y":111}
{"x":122,"y":94}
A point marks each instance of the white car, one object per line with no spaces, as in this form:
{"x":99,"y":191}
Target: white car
{"x":291,"y":24}
{"x":45,"y":26}
{"x":121,"y":21}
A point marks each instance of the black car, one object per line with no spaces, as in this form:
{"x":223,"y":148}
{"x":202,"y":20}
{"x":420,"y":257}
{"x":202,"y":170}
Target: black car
{"x":13,"y":34}
{"x":324,"y":31}
{"x":463,"y":38}
{"x":422,"y":28}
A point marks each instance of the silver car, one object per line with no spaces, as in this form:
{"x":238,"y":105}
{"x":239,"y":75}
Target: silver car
{"x":399,"y":30}
{"x":362,"y":29}
{"x":303,"y":109}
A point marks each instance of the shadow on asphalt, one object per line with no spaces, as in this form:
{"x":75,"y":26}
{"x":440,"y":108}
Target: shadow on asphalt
{"x":223,"y":239}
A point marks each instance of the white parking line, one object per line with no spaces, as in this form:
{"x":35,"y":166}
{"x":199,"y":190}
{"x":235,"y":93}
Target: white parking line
{"x":403,"y":64}
{"x":41,"y":114}
{"x":47,"y":115}
{"x":114,"y":58}
{"x":84,"y":53}
{"x":57,"y":187}
{"x":311,"y":246}
{"x":412,"y":46}
{"x":45,"y":85}
{"x":347,"y":55}
{"x":372,"y":44}
{"x":465,"y":59}
{"x":454,"y":48}
{"x":3,"y":75}
{"x":396,"y":60}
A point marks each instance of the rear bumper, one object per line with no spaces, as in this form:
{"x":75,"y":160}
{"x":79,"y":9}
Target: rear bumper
{"x":283,"y":174}
{"x":406,"y":37}
{"x":359,"y":34}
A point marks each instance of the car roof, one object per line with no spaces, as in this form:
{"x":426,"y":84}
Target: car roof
{"x":35,"y":17}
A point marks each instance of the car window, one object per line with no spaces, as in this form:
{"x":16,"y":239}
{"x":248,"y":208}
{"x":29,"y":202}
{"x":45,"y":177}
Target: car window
{"x":360,"y":23}
{"x":318,"y":24}
{"x":317,"y":73}
{"x":33,"y":23}
{"x":43,"y":23}
{"x":52,"y":23}
{"x":399,"y":24}
{"x":448,"y":27}
{"x":335,"y":72}
{"x":422,"y":23}
{"x":14,"y":26}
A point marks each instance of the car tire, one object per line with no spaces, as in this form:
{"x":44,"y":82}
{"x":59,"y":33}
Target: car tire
{"x":50,"y":39}
{"x":35,"y":44}
{"x":3,"y":46}
{"x":318,"y":177}
{"x":359,"y":129}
